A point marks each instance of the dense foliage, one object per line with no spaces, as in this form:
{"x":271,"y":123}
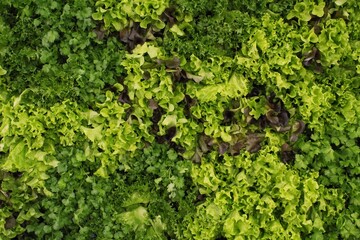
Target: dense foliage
{"x":180,"y":119}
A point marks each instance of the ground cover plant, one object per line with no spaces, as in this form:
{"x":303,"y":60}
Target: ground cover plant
{"x":180,"y":119}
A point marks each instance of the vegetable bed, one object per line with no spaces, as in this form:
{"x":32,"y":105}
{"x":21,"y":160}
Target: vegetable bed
{"x":179,"y":119}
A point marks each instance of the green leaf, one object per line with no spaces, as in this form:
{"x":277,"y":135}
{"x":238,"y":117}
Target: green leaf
{"x":97,"y":16}
{"x":137,"y":219}
{"x":260,"y":39}
{"x":209,"y":93}
{"x":16,"y":159}
{"x":117,"y":25}
{"x":225,"y":137}
{"x":50,"y":38}
{"x":318,"y":10}
{"x":340,"y":2}
{"x":214,"y":211}
{"x":170,"y":121}
{"x":175,"y":29}
{"x":2,"y":71}
{"x":136,"y":198}
{"x":158,"y":225}
{"x":93,"y":133}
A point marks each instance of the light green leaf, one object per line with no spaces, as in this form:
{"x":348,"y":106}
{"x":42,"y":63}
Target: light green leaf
{"x":225,"y":137}
{"x":197,"y":79}
{"x":16,"y":159}
{"x":137,"y":218}
{"x":136,"y":198}
{"x":340,"y":2}
{"x":93,"y":133}
{"x":117,"y":25}
{"x":175,"y":29}
{"x":209,"y":93}
{"x":260,"y":39}
{"x":153,"y":51}
{"x":214,"y":211}
{"x":158,"y":225}
{"x":101,"y":172}
{"x":318,"y":10}
{"x":230,"y":224}
{"x":169,"y":120}
{"x":2,"y":71}
{"x":97,"y":16}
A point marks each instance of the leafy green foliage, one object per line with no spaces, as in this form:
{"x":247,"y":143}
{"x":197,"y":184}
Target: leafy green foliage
{"x":211,"y":32}
{"x":120,"y":14}
{"x":135,"y":202}
{"x":53,"y":49}
{"x":259,"y":197}
{"x":179,"y":119}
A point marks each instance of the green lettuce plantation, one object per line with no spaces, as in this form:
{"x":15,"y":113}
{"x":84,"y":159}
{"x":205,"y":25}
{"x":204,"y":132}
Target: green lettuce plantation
{"x":180,"y":119}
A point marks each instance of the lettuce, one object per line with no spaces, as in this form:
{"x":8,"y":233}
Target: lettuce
{"x":119,"y":15}
{"x":179,"y":119}
{"x":303,"y":10}
{"x":265,"y":200}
